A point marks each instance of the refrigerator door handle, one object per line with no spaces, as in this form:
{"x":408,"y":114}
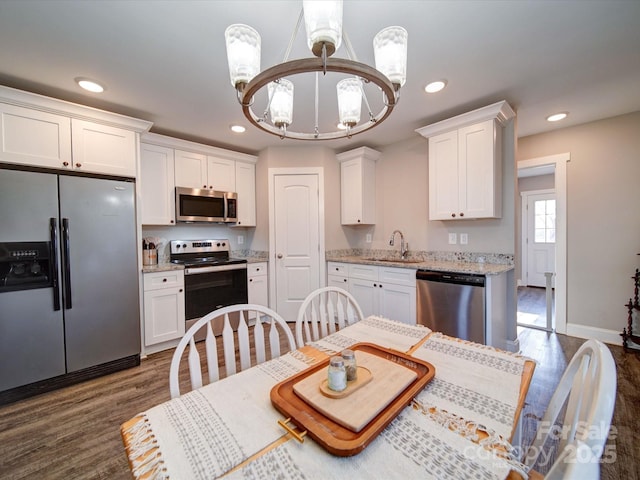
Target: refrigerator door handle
{"x":66,"y":268}
{"x":53,"y":234}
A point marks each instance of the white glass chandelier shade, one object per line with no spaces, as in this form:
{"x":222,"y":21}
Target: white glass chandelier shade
{"x":243,"y":53}
{"x":323,"y":23}
{"x":281,"y":102}
{"x":390,"y":52}
{"x":349,"y":101}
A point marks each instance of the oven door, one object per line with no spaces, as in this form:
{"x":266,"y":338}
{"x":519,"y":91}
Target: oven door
{"x":210,"y":288}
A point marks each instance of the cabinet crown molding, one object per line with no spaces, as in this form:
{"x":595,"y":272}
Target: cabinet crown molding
{"x":362,"y":152}
{"x":180,"y":144}
{"x":500,"y":111}
{"x":42,"y":103}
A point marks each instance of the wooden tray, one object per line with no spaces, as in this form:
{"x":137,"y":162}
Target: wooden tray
{"x":332,"y":436}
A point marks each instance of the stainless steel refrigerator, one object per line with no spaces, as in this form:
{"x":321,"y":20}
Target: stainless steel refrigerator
{"x":69,"y":307}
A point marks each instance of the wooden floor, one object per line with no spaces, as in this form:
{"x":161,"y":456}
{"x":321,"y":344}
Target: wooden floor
{"x":74,"y":433}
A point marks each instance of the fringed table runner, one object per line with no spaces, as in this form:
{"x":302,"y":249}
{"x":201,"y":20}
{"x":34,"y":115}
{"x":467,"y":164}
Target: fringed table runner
{"x":475,"y":382}
{"x":412,"y":446}
{"x":207,"y":432}
{"x":378,"y":330}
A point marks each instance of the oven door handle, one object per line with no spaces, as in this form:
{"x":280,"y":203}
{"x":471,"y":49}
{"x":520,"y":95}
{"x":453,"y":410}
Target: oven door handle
{"x":218,"y":268}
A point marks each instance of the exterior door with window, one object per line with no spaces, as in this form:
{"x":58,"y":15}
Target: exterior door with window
{"x":541,"y":237}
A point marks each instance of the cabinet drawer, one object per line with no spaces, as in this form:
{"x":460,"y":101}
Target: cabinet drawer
{"x":158,"y":280}
{"x":254,"y":269}
{"x":334,"y":268}
{"x":364,"y":272}
{"x":397,"y":276}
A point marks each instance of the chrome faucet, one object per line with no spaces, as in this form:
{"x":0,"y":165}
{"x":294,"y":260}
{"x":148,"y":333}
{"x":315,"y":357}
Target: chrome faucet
{"x":404,"y":247}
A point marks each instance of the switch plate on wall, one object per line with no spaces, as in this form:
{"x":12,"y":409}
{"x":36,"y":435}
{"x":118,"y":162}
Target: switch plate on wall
{"x":240,"y":239}
{"x":453,"y":239}
{"x":368,"y":240}
{"x":464,"y":239}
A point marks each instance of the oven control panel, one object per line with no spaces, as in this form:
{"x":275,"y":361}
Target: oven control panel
{"x":199,"y":246}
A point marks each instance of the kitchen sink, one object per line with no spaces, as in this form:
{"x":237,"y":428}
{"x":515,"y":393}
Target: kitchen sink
{"x":393,"y":260}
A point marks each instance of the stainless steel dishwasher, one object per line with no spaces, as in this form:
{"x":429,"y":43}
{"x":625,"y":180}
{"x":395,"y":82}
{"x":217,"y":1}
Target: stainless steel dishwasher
{"x":452,"y":303}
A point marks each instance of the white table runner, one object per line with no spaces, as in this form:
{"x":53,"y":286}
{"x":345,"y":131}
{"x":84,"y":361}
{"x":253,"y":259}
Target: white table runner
{"x":412,"y":446}
{"x":379,"y":330}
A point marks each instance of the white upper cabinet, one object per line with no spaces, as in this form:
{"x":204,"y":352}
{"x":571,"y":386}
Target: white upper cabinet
{"x":358,"y":186}
{"x":36,"y":138}
{"x":196,"y":170}
{"x":45,"y":132}
{"x":465,"y":164}
{"x":191,"y":170}
{"x":157,"y":185}
{"x":194,"y":166}
{"x":103,"y":149}
{"x":222,"y":174}
{"x":246,"y":190}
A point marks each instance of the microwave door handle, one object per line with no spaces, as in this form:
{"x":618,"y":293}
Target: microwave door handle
{"x":226,"y":207}
{"x":53,"y":254}
{"x":66,"y":268}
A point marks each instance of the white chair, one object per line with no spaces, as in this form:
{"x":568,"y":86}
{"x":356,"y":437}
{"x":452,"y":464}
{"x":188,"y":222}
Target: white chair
{"x":247,"y":314}
{"x":325,"y":311}
{"x":588,"y":388}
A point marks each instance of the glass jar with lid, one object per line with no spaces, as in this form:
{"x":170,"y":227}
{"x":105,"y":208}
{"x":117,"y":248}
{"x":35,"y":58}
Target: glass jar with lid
{"x":350,"y":365}
{"x":337,"y":374}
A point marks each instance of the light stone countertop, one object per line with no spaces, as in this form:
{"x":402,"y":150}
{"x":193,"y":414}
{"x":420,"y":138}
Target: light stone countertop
{"x":478,"y":268}
{"x":161,"y":267}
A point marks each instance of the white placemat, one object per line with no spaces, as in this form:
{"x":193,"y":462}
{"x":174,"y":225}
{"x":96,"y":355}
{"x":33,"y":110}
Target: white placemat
{"x":204,"y":433}
{"x":473,"y":381}
{"x":378,"y":330}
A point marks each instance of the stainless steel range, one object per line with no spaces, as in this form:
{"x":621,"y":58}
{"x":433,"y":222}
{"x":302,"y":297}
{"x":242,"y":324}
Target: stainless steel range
{"x":212,"y":278}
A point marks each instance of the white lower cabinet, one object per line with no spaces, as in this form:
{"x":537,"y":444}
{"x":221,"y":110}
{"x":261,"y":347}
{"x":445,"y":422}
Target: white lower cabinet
{"x":258,"y":279}
{"x":386,"y":291}
{"x":164,"y":314}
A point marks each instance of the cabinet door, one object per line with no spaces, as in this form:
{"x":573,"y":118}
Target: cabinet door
{"x":103,"y":149}
{"x":157,"y":185}
{"x":357,"y":186}
{"x":258,"y":290}
{"x":443,"y":176}
{"x":366,"y":294}
{"x":246,"y":190}
{"x":222,"y":174}
{"x":397,"y":302}
{"x":190,"y":170}
{"x":35,"y":138}
{"x":163,"y":315}
{"x":479,"y":174}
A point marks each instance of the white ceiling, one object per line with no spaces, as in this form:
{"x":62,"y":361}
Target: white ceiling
{"x":165,"y":61}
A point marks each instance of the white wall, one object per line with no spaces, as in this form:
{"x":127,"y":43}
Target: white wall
{"x":603,"y":218}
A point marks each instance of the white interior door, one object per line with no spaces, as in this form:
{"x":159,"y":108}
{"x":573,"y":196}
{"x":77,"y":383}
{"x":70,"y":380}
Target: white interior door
{"x":296,"y":240}
{"x":541,"y":237}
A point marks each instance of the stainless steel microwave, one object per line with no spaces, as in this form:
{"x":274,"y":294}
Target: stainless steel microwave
{"x":202,"y":205}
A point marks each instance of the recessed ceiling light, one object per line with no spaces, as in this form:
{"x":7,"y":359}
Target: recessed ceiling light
{"x":90,"y":85}
{"x":237,"y":128}
{"x":436,"y":86}
{"x":557,"y":117}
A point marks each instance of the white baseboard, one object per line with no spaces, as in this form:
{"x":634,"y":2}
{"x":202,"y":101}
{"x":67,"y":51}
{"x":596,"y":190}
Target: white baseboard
{"x":604,"y":335}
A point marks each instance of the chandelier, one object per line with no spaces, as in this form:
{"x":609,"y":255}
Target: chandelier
{"x":323,"y":24}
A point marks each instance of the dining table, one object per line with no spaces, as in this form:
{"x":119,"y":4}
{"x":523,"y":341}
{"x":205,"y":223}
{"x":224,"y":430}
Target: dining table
{"x":460,"y":425}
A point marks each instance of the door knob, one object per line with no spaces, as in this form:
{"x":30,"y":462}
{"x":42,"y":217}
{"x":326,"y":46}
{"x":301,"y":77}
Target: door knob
{"x":279,"y":255}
